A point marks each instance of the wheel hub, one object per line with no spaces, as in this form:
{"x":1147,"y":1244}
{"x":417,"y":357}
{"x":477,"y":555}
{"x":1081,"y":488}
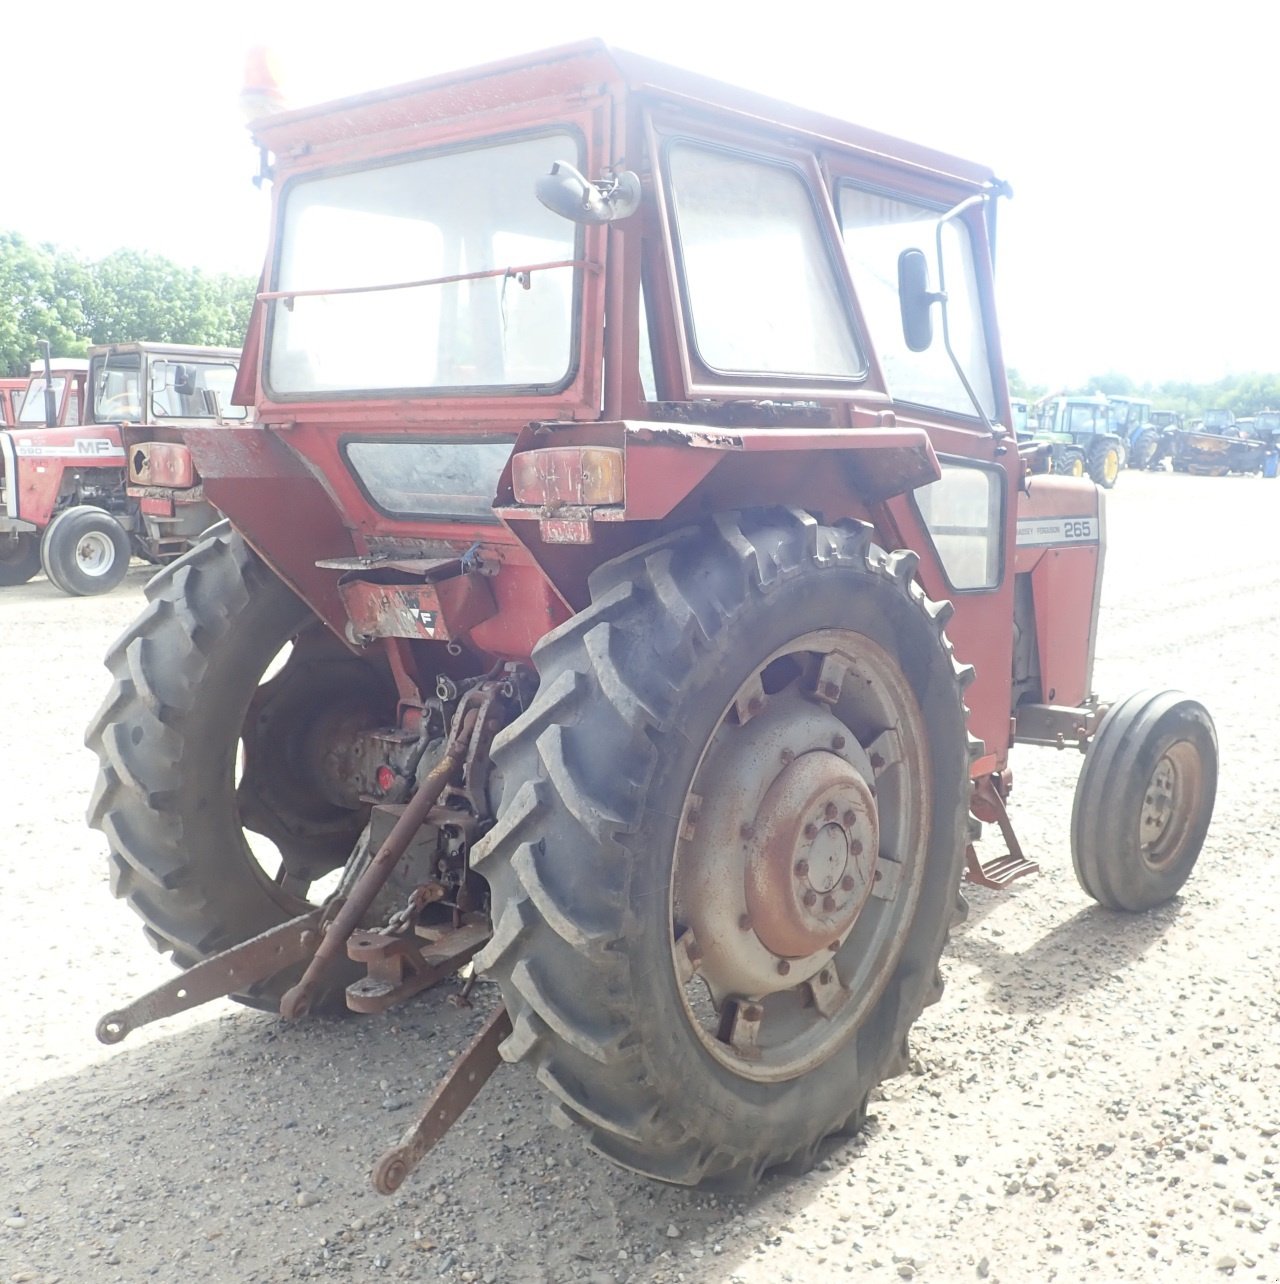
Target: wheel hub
{"x":1158,"y":805}
{"x":781,"y":849}
{"x":810,"y":867}
{"x":95,"y":554}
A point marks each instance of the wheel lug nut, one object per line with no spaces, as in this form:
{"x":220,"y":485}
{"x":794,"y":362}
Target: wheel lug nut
{"x":802,"y":868}
{"x":837,"y":742}
{"x":876,"y":762}
{"x":783,"y":967}
{"x":787,"y":755}
{"x":810,"y":899}
{"x":855,"y":848}
{"x":811,"y":830}
{"x":829,"y":811}
{"x":848,"y":818}
{"x":752,"y":1012}
{"x":746,"y":830}
{"x":828,"y":903}
{"x":744,"y":922}
{"x":846,"y":883}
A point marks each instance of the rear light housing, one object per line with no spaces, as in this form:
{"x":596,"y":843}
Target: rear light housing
{"x":584,"y":476}
{"x":161,"y":463}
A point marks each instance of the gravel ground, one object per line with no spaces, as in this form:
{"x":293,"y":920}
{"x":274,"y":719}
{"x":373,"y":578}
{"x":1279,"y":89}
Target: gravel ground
{"x":1093,"y":1099}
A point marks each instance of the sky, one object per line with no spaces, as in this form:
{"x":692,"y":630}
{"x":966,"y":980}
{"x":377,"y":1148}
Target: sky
{"x":1141,"y":140}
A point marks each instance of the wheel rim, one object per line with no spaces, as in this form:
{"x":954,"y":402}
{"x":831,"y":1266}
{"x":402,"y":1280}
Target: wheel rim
{"x":1111,"y":466}
{"x":1076,"y":467}
{"x":1170,"y":805}
{"x":95,"y":554}
{"x":801,"y":855}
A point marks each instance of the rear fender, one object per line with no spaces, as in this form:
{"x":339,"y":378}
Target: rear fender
{"x":1061,"y":543}
{"x":675,"y":474}
{"x":280,"y":507}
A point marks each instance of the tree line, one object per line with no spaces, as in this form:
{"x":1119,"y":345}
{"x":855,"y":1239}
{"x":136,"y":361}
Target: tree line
{"x":48,"y":293}
{"x":1243,"y":394}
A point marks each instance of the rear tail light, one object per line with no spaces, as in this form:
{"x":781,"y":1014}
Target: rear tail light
{"x":161,"y":463}
{"x":583,"y":475}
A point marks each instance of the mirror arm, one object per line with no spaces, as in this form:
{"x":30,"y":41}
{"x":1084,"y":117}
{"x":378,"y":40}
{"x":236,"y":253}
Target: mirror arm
{"x":941,"y":295}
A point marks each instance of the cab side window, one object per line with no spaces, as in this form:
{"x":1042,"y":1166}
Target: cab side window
{"x":876,"y":228}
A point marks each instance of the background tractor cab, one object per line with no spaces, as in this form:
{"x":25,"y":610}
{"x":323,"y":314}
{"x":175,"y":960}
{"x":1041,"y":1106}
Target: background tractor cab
{"x":11,"y":391}
{"x":1079,"y":428}
{"x":1131,"y":422}
{"x":92,"y":474}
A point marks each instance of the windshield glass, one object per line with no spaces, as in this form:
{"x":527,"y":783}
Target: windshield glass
{"x":33,"y":407}
{"x":116,"y":388}
{"x":193,"y":389}
{"x":456,"y":214}
{"x":1086,"y":417}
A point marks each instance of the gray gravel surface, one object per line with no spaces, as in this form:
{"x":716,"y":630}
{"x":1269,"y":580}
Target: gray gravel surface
{"x":1093,"y":1099}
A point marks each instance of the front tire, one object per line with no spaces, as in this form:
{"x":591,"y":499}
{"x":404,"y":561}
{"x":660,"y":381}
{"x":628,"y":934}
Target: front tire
{"x":19,"y":558}
{"x":85,"y":551}
{"x":192,"y":706}
{"x":1068,"y":461}
{"x":709,"y":979}
{"x":1144,"y":800}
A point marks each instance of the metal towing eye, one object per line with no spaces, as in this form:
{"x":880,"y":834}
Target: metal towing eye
{"x":319,"y":937}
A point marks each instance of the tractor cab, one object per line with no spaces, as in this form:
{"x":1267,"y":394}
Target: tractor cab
{"x":66,"y":378}
{"x":152,"y":383}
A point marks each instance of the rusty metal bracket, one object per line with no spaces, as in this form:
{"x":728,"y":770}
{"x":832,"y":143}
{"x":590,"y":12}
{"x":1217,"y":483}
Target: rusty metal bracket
{"x":455,"y":1092}
{"x":297,"y":1001}
{"x":987,"y":804}
{"x":1057,"y":726}
{"x":226,"y":973}
{"x":399,"y":967}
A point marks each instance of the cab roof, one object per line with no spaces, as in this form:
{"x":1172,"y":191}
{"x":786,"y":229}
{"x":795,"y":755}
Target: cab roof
{"x":565,"y":70}
{"x":188,"y":350}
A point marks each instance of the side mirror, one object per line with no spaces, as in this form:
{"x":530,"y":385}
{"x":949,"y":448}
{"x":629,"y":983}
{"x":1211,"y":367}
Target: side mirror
{"x":916,"y":300}
{"x":571,"y":195}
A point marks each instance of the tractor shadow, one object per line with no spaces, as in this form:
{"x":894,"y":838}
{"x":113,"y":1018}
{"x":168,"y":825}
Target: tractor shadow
{"x":240,"y":1148}
{"x":1092,"y":947}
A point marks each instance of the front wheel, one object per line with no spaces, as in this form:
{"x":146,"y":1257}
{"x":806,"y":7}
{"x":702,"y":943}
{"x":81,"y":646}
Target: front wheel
{"x":85,"y":551}
{"x":19,"y":558}
{"x":1144,"y":800}
{"x":1068,"y":461}
{"x":728,"y":846}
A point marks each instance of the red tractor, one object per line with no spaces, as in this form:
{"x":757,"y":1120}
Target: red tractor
{"x":631,"y":585}
{"x":70,"y":500}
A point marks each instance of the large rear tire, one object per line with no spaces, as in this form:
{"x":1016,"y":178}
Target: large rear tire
{"x":728,"y":847}
{"x":1144,"y":800}
{"x":193,"y":706}
{"x":1144,"y":450}
{"x":1105,"y":464}
{"x":85,"y":551}
{"x":19,"y":558}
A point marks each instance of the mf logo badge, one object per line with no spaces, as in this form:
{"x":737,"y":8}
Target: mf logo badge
{"x":426,"y":619}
